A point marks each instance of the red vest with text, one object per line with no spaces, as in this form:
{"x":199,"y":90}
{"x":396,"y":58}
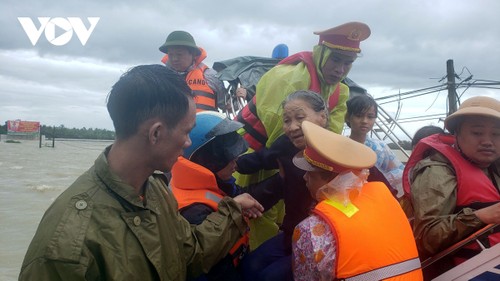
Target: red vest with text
{"x":472,"y":184}
{"x":256,"y":135}
{"x":192,"y":183}
{"x":378,"y":235}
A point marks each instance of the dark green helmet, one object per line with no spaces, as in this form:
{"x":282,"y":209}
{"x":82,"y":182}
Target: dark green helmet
{"x":180,"y":38}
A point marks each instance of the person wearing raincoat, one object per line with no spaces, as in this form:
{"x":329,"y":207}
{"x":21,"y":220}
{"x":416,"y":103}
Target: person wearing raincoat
{"x":320,"y":71}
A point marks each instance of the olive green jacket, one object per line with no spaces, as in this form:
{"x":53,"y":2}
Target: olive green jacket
{"x":99,"y":229}
{"x":437,"y":224}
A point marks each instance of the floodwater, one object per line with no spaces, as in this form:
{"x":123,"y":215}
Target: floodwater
{"x":30,"y":179}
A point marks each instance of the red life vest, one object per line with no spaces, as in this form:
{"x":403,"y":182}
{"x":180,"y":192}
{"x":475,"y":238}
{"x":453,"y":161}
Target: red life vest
{"x":205,"y":98}
{"x":472,"y":184}
{"x":192,"y":183}
{"x":374,"y":243}
{"x":256,"y":134}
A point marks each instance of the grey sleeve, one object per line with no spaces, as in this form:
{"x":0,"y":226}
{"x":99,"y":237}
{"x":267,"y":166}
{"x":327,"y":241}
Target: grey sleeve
{"x":217,"y":86}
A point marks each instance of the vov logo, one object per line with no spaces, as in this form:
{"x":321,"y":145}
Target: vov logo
{"x":67,"y":25}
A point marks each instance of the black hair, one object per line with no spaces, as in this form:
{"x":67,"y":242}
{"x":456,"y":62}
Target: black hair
{"x":358,"y":105}
{"x":424,"y":132}
{"x":316,"y":102}
{"x":144,"y":92}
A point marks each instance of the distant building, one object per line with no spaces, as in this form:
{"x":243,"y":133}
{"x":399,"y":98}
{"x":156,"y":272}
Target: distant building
{"x":22,"y":130}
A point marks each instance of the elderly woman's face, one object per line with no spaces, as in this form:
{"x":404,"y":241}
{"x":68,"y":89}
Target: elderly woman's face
{"x":294,"y":113}
{"x":479,"y":139}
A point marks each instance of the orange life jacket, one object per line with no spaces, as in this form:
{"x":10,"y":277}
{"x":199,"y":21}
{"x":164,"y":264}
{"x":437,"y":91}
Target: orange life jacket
{"x":256,"y":135}
{"x":205,"y":97}
{"x":374,"y":243}
{"x":192,"y":183}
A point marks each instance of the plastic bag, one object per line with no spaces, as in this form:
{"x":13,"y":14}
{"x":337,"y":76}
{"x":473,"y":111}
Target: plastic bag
{"x":341,"y":186}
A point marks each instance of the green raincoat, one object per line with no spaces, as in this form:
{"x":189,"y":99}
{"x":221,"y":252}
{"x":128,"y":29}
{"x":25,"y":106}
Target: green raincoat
{"x":272,"y":89}
{"x":282,"y":80}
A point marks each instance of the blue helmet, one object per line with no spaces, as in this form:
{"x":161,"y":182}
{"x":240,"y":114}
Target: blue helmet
{"x":280,"y":51}
{"x":209,"y":125}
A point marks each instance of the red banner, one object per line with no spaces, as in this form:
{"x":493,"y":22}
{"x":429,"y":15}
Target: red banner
{"x":18,"y":126}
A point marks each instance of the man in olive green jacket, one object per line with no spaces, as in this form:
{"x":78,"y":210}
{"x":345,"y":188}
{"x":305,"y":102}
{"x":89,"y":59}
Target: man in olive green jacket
{"x":119,"y":220}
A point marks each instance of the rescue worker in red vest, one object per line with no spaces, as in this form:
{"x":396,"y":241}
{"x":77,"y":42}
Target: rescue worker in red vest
{"x":453,"y":182}
{"x":203,"y":177}
{"x":184,"y":57}
{"x":320,"y":71}
{"x":357,"y":231}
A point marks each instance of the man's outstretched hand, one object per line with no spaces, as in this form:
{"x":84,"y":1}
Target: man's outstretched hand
{"x":250,"y":207}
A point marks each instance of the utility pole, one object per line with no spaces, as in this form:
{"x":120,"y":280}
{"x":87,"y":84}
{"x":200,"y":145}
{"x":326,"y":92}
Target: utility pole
{"x":452,"y":93}
{"x":54,"y":137}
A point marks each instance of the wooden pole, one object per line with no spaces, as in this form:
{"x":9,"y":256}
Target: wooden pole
{"x":53,"y":136}
{"x":452,"y":93}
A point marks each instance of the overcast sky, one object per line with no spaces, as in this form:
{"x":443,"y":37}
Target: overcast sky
{"x":410,"y":43}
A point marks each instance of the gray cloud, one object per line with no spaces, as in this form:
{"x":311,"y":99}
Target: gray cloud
{"x":408,"y":48}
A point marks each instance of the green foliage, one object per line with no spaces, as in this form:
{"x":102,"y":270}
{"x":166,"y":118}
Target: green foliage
{"x":74,"y":133}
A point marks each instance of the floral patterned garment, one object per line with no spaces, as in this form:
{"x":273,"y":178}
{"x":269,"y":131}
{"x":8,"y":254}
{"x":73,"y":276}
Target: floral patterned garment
{"x":314,"y":250}
{"x":388,"y":163}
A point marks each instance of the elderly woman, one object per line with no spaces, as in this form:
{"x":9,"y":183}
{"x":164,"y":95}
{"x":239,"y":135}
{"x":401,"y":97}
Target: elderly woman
{"x":273,"y":259}
{"x":358,"y":228}
{"x":453,"y":181}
